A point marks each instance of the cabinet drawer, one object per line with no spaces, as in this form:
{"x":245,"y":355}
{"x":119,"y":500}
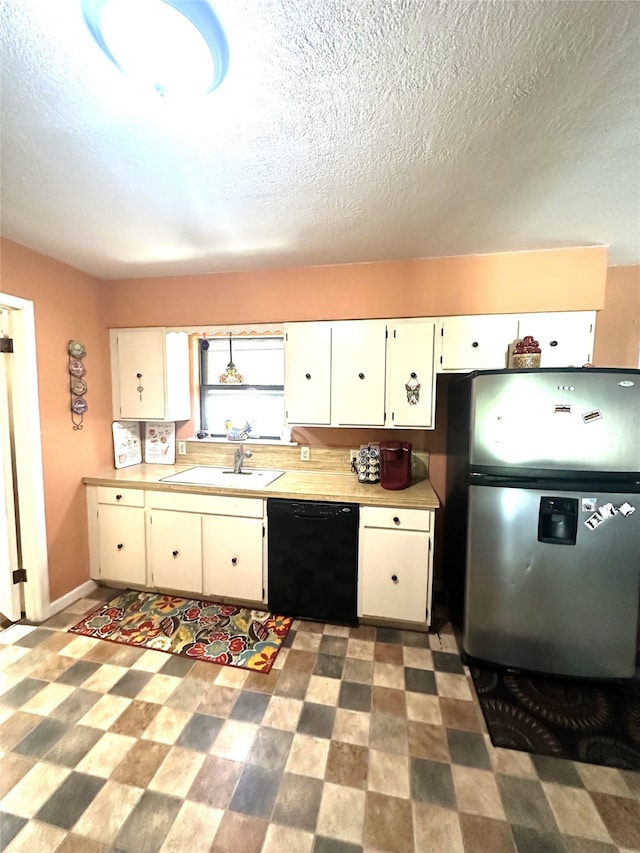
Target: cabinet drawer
{"x":394,"y":518}
{"x":123,"y":497}
{"x":206,"y":504}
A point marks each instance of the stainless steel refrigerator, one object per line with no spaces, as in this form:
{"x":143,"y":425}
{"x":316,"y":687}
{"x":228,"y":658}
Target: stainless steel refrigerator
{"x":543,"y":518}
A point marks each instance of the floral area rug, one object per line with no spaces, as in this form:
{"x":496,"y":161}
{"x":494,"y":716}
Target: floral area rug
{"x":592,"y":721}
{"x":199,"y":630}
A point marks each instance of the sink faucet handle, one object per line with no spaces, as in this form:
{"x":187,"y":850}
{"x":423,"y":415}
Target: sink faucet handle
{"x":239,"y":456}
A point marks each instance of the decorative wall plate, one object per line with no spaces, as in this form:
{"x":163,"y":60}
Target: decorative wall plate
{"x":78,"y":387}
{"x":76,"y":349}
{"x":77,"y":368}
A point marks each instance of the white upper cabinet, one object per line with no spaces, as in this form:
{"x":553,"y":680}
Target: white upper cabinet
{"x":410,"y":373}
{"x":565,"y":338}
{"x":150,"y":375}
{"x":480,"y":342}
{"x":360,"y":373}
{"x":484,"y":342}
{"x":307,"y":373}
{"x":358,"y":365}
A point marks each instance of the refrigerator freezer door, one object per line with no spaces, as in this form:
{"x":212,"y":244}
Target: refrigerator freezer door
{"x":551,"y":606}
{"x":584,"y":420}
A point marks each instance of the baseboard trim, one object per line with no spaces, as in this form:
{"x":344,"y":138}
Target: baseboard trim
{"x":59,"y":604}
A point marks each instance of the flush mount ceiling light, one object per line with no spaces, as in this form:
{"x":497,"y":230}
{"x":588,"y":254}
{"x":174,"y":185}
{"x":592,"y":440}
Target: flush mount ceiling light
{"x":172,"y":46}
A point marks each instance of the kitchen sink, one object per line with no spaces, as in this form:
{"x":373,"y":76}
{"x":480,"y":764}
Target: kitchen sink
{"x":202,"y":475}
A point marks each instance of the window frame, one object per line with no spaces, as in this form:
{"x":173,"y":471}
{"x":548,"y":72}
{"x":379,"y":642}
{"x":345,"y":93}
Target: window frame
{"x":202,"y":387}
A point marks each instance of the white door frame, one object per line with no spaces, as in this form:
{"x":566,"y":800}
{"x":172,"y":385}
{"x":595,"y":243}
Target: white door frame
{"x":28,"y":458}
{"x":10,"y":592}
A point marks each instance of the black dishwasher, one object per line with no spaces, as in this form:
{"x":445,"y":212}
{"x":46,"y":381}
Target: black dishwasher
{"x":313,"y":559}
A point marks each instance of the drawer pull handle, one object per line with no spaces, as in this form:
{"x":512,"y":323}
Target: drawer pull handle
{"x":120,"y":546}
{"x":307,"y":376}
{"x":396,"y":520}
{"x":394,"y":578}
{"x":234,"y":560}
{"x":118,"y":497}
{"x":175,"y":553}
{"x":361,"y":375}
{"x":553,"y":343}
{"x":475,"y":344}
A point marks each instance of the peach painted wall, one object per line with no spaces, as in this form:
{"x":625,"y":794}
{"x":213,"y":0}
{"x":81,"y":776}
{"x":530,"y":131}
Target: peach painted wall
{"x":618,"y":324}
{"x":555,"y":280}
{"x":68,"y":305}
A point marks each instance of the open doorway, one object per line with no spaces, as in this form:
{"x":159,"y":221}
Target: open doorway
{"x":22,"y":516}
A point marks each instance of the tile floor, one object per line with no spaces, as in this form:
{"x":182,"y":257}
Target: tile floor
{"x":360,"y":739}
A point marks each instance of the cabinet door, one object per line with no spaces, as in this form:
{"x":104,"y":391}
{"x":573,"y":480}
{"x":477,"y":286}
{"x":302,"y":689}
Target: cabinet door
{"x":232,"y":557}
{"x":565,"y":337}
{"x":307,"y":373}
{"x":410,"y":374}
{"x":175,"y":550}
{"x":476,"y":343}
{"x":139,"y":359}
{"x":395,"y":568}
{"x":121,"y":544}
{"x":358,"y":361}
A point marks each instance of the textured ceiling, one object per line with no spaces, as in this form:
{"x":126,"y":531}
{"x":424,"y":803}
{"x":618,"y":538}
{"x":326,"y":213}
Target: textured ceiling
{"x":345,"y":131}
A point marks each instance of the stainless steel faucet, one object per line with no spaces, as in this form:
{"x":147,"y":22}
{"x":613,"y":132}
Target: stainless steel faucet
{"x":238,"y":458}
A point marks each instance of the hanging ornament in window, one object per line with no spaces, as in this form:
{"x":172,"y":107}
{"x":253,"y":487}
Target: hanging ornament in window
{"x":77,"y":385}
{"x":412,"y":388}
{"x":231,"y":375}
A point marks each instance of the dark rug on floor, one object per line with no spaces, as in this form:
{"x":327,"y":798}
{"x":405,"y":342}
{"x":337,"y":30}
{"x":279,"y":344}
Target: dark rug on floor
{"x":594,"y":722}
{"x":198,"y":630}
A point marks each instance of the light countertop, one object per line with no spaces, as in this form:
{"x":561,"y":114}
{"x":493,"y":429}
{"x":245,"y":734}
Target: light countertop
{"x":296,"y":485}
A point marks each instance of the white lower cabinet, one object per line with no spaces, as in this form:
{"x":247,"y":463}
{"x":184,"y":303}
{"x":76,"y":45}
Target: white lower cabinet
{"x":395,"y":571}
{"x":207,"y":544}
{"x":175,"y":550}
{"x":121,"y":545}
{"x":214,"y":546}
{"x":190,"y":543}
{"x":117,"y":534}
{"x":232,"y":557}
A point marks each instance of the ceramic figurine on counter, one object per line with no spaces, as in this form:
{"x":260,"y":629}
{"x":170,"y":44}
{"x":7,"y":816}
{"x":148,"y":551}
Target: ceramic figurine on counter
{"x":237,"y":433}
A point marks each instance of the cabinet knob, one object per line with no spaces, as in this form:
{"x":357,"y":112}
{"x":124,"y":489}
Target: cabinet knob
{"x":175,"y":553}
{"x":307,"y":376}
{"x":361,"y":375}
{"x":394,"y":578}
{"x":475,"y":344}
{"x":234,"y":560}
{"x":396,"y":520}
{"x":553,"y":343}
{"x":118,"y":497}
{"x":120,"y":546}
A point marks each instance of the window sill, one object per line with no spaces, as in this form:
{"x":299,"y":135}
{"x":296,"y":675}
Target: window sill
{"x":249,"y":440}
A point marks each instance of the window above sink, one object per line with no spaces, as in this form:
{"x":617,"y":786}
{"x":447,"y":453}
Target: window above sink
{"x":258,"y":401}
